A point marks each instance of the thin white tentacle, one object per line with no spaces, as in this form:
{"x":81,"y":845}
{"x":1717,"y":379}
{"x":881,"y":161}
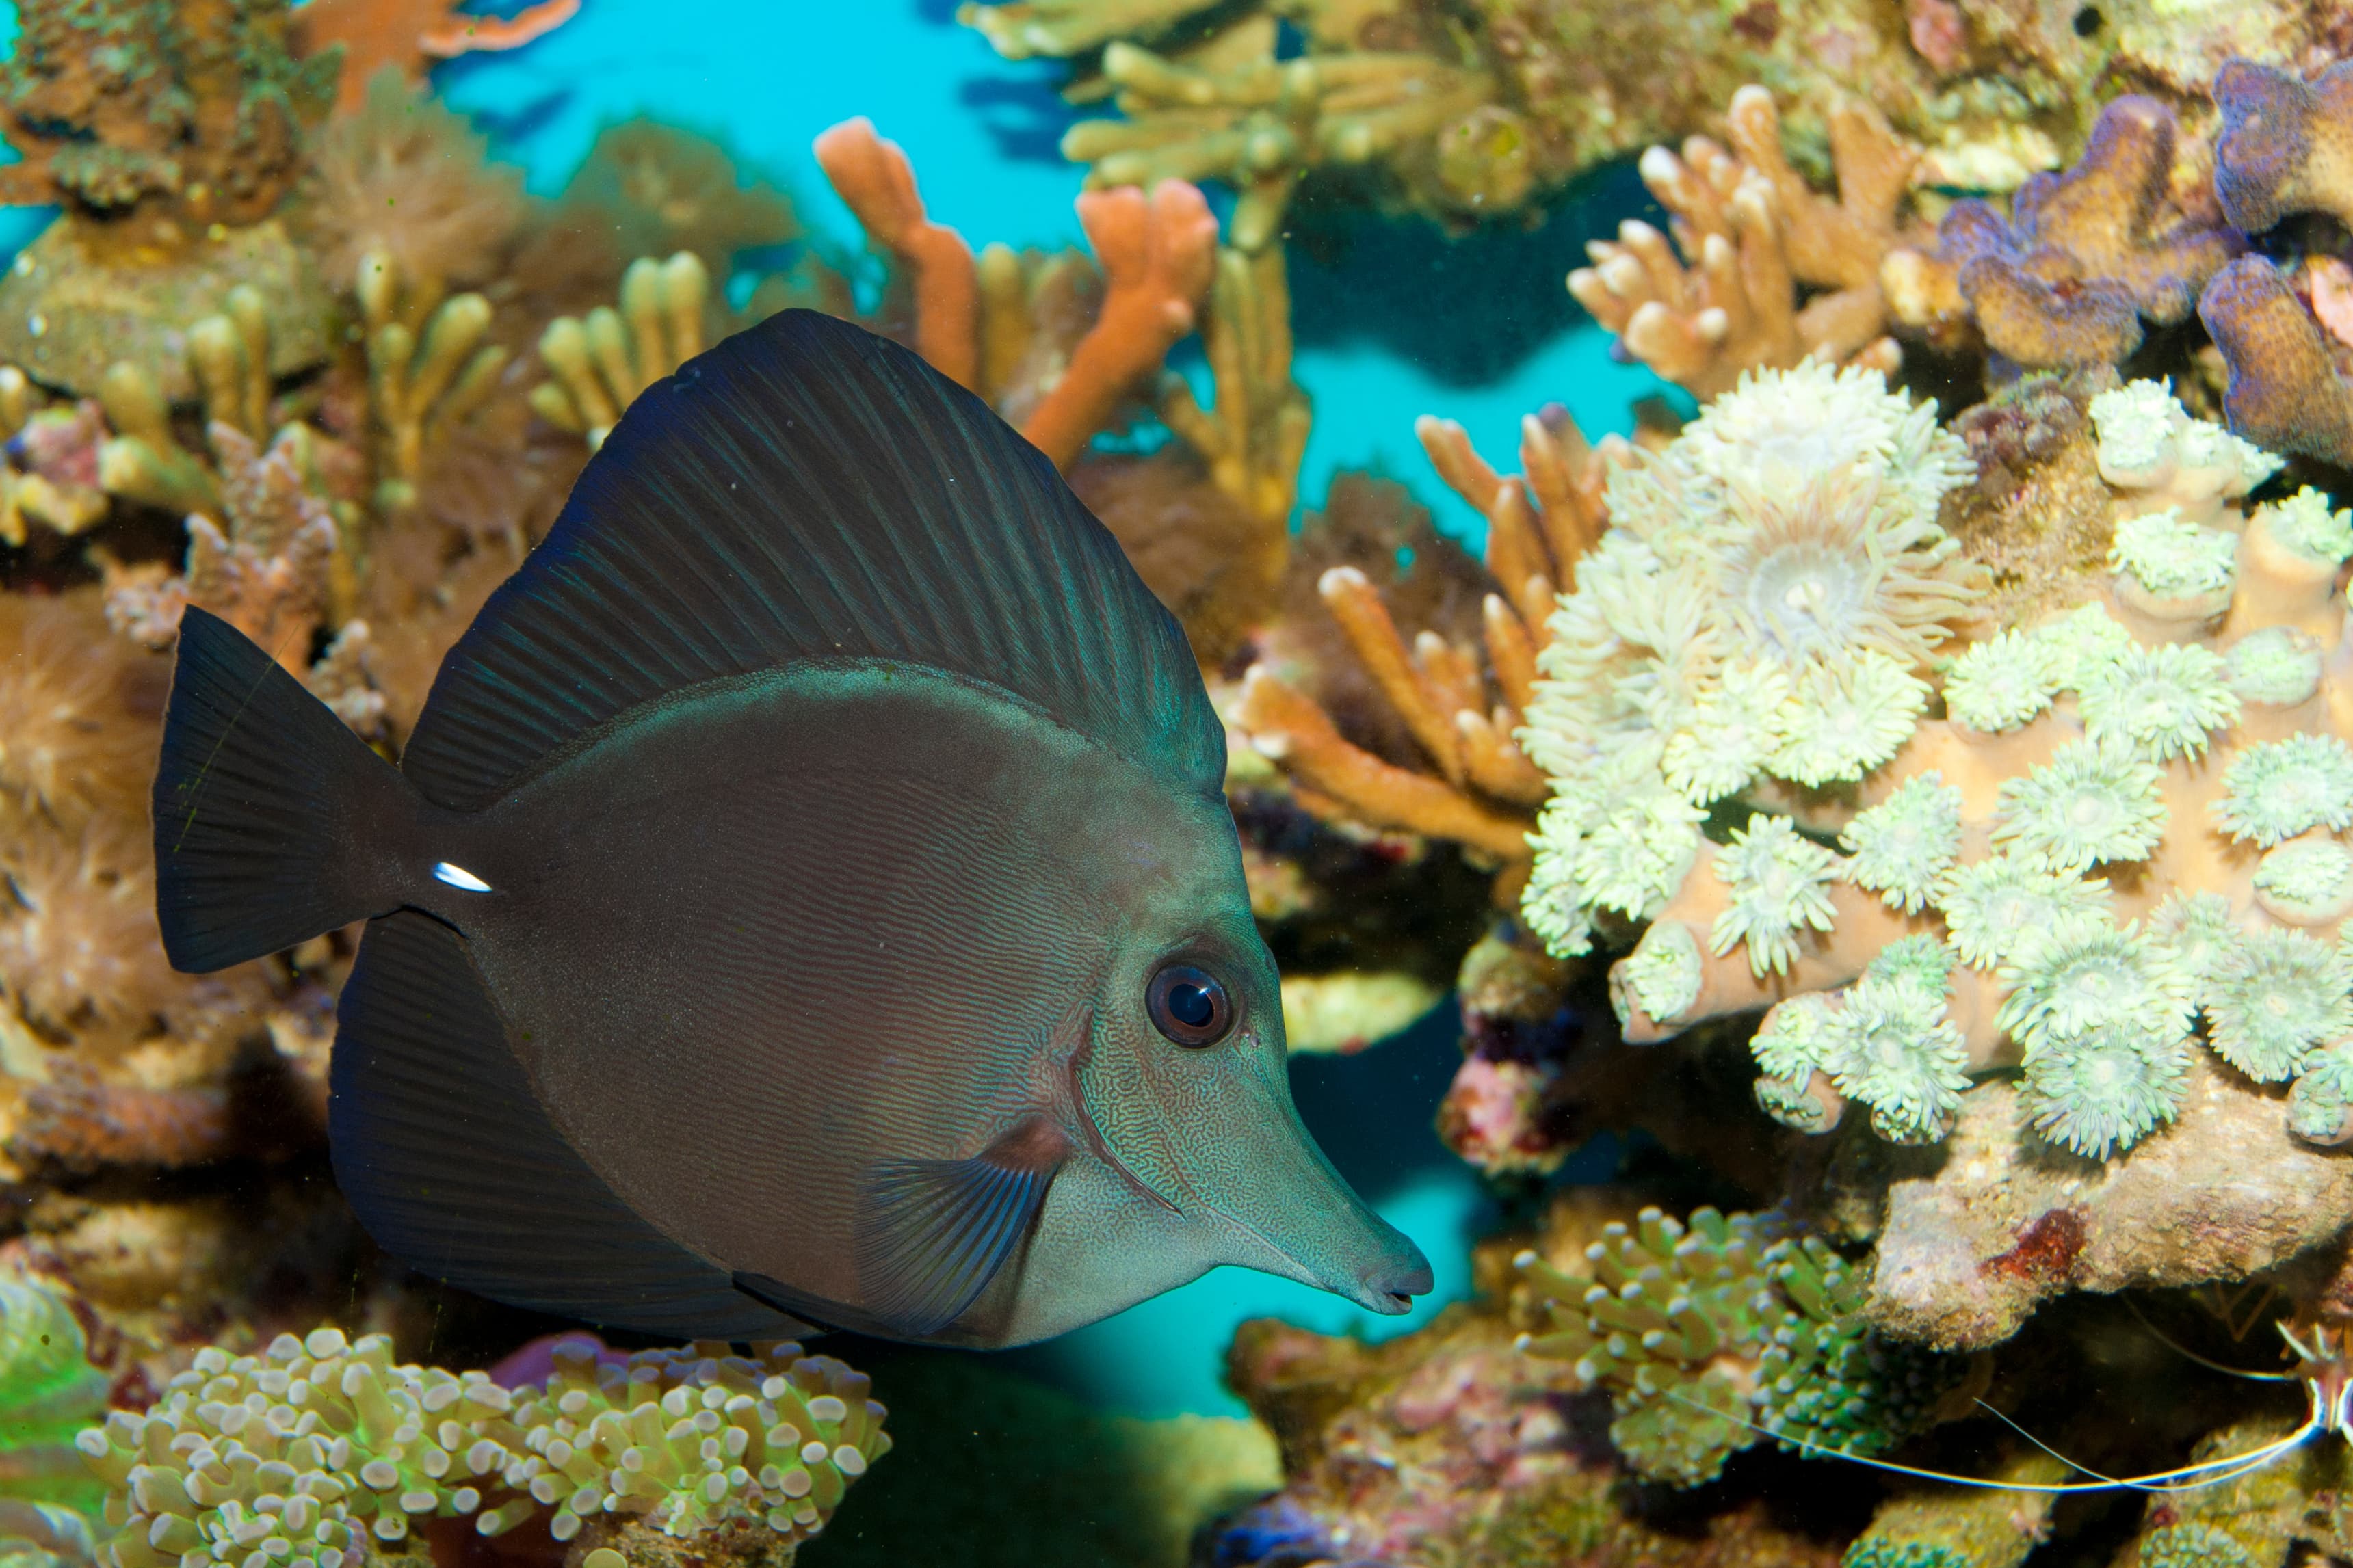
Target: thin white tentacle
{"x":2188,"y":1354}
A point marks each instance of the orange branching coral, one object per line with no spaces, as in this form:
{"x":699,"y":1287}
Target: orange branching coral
{"x":1157,"y":254}
{"x":1751,"y":233}
{"x":410,"y":34}
{"x":1479,"y":790}
{"x":404,"y":176}
{"x":78,"y":1121}
{"x":874,"y":178}
{"x":2084,"y":257}
{"x":977,"y":321}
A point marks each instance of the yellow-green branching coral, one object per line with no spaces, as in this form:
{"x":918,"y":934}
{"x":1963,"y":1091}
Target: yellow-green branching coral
{"x":2275,"y":666}
{"x":2158,"y":703}
{"x":688,"y":1442}
{"x":2307,"y":881}
{"x":2321,"y":1105}
{"x":1991,"y":905}
{"x":302,"y":1455}
{"x":2150,"y":448}
{"x":2088,"y":804}
{"x":1890,"y":1044}
{"x":2307,"y":525}
{"x":2106,"y":1087}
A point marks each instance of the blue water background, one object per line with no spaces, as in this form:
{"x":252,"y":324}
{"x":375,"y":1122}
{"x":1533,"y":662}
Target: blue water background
{"x":1393,"y":318}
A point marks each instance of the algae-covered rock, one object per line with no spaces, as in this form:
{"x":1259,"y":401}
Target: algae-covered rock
{"x":75,"y":301}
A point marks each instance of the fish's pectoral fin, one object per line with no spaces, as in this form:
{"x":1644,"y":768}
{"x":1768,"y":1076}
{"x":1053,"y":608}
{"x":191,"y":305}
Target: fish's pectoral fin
{"x":932,"y":1233}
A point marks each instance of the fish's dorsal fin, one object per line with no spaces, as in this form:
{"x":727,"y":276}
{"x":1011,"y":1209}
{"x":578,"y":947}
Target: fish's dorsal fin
{"x":932,"y":1233}
{"x":807,"y":490}
{"x":452,"y":1164}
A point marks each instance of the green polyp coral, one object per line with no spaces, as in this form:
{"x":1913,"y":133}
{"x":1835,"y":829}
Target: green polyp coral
{"x":2321,"y":1105}
{"x":2277,"y":997}
{"x":2174,"y":558}
{"x":1844,"y":719}
{"x":1712,"y":1337}
{"x":2277,"y":666}
{"x":2159,"y":703}
{"x":2088,"y":804}
{"x":1662,"y":974}
{"x":1892,"y":1048}
{"x":2081,"y":644}
{"x":1902,"y":847}
{"x":2200,"y":931}
{"x":2307,"y":525}
{"x":299,"y":1457}
{"x":2000,"y":684}
{"x":1991,"y":905}
{"x":48,"y":1392}
{"x":2106,"y":1087}
{"x":1769,"y":588}
{"x":1795,"y":1039}
{"x":2308,"y":880}
{"x":1780,"y":889}
{"x":2086,"y":971}
{"x":2149,"y":442}
{"x":2281,"y":788}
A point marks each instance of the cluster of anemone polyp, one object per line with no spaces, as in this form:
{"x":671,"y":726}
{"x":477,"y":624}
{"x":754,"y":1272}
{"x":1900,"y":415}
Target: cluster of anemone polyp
{"x":1781,"y":732}
{"x":1716,"y":1335}
{"x":295,"y":1457}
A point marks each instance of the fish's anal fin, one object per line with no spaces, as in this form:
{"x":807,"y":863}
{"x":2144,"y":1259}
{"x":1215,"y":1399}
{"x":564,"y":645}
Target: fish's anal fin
{"x":932,"y":1233}
{"x":453,"y":1164}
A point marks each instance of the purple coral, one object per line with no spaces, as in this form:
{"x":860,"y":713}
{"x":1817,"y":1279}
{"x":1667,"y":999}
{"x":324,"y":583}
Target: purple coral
{"x":2086,"y":254}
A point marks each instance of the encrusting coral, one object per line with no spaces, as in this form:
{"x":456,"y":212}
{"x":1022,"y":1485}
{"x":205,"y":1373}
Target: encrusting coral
{"x":319,"y":1446}
{"x":2083,"y":257}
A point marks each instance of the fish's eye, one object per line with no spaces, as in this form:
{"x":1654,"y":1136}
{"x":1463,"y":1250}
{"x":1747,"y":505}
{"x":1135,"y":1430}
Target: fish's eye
{"x":1189,"y":1006}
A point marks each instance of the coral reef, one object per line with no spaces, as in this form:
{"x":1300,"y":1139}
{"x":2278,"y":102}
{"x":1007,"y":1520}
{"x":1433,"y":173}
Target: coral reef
{"x":192,"y":114}
{"x":1474,"y":110}
{"x":325,"y":1446}
{"x":48,"y":1392}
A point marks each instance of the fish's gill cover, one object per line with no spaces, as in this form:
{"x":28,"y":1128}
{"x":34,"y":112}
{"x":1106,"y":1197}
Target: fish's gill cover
{"x":807,"y":490}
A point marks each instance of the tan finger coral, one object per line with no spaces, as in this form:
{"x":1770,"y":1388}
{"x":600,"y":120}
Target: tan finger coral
{"x":1751,"y":233}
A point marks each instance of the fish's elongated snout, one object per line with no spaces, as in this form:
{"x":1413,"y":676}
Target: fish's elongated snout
{"x":1389,"y":1289}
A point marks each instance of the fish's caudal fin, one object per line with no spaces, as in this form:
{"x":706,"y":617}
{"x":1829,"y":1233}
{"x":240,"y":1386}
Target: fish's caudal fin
{"x":262,"y":805}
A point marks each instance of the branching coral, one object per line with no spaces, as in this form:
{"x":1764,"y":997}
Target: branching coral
{"x":1751,"y":233}
{"x":1480,"y":786}
{"x":2084,"y":257}
{"x":1706,"y":1333}
{"x":320,"y":1446}
{"x":602,"y":363}
{"x":976,"y":322}
{"x":1260,"y":124}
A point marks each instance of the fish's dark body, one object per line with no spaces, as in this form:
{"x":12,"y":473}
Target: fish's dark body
{"x":762,"y":919}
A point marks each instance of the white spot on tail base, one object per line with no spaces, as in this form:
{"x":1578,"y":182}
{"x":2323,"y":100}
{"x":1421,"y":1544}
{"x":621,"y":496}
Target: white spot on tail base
{"x":457,"y":877}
